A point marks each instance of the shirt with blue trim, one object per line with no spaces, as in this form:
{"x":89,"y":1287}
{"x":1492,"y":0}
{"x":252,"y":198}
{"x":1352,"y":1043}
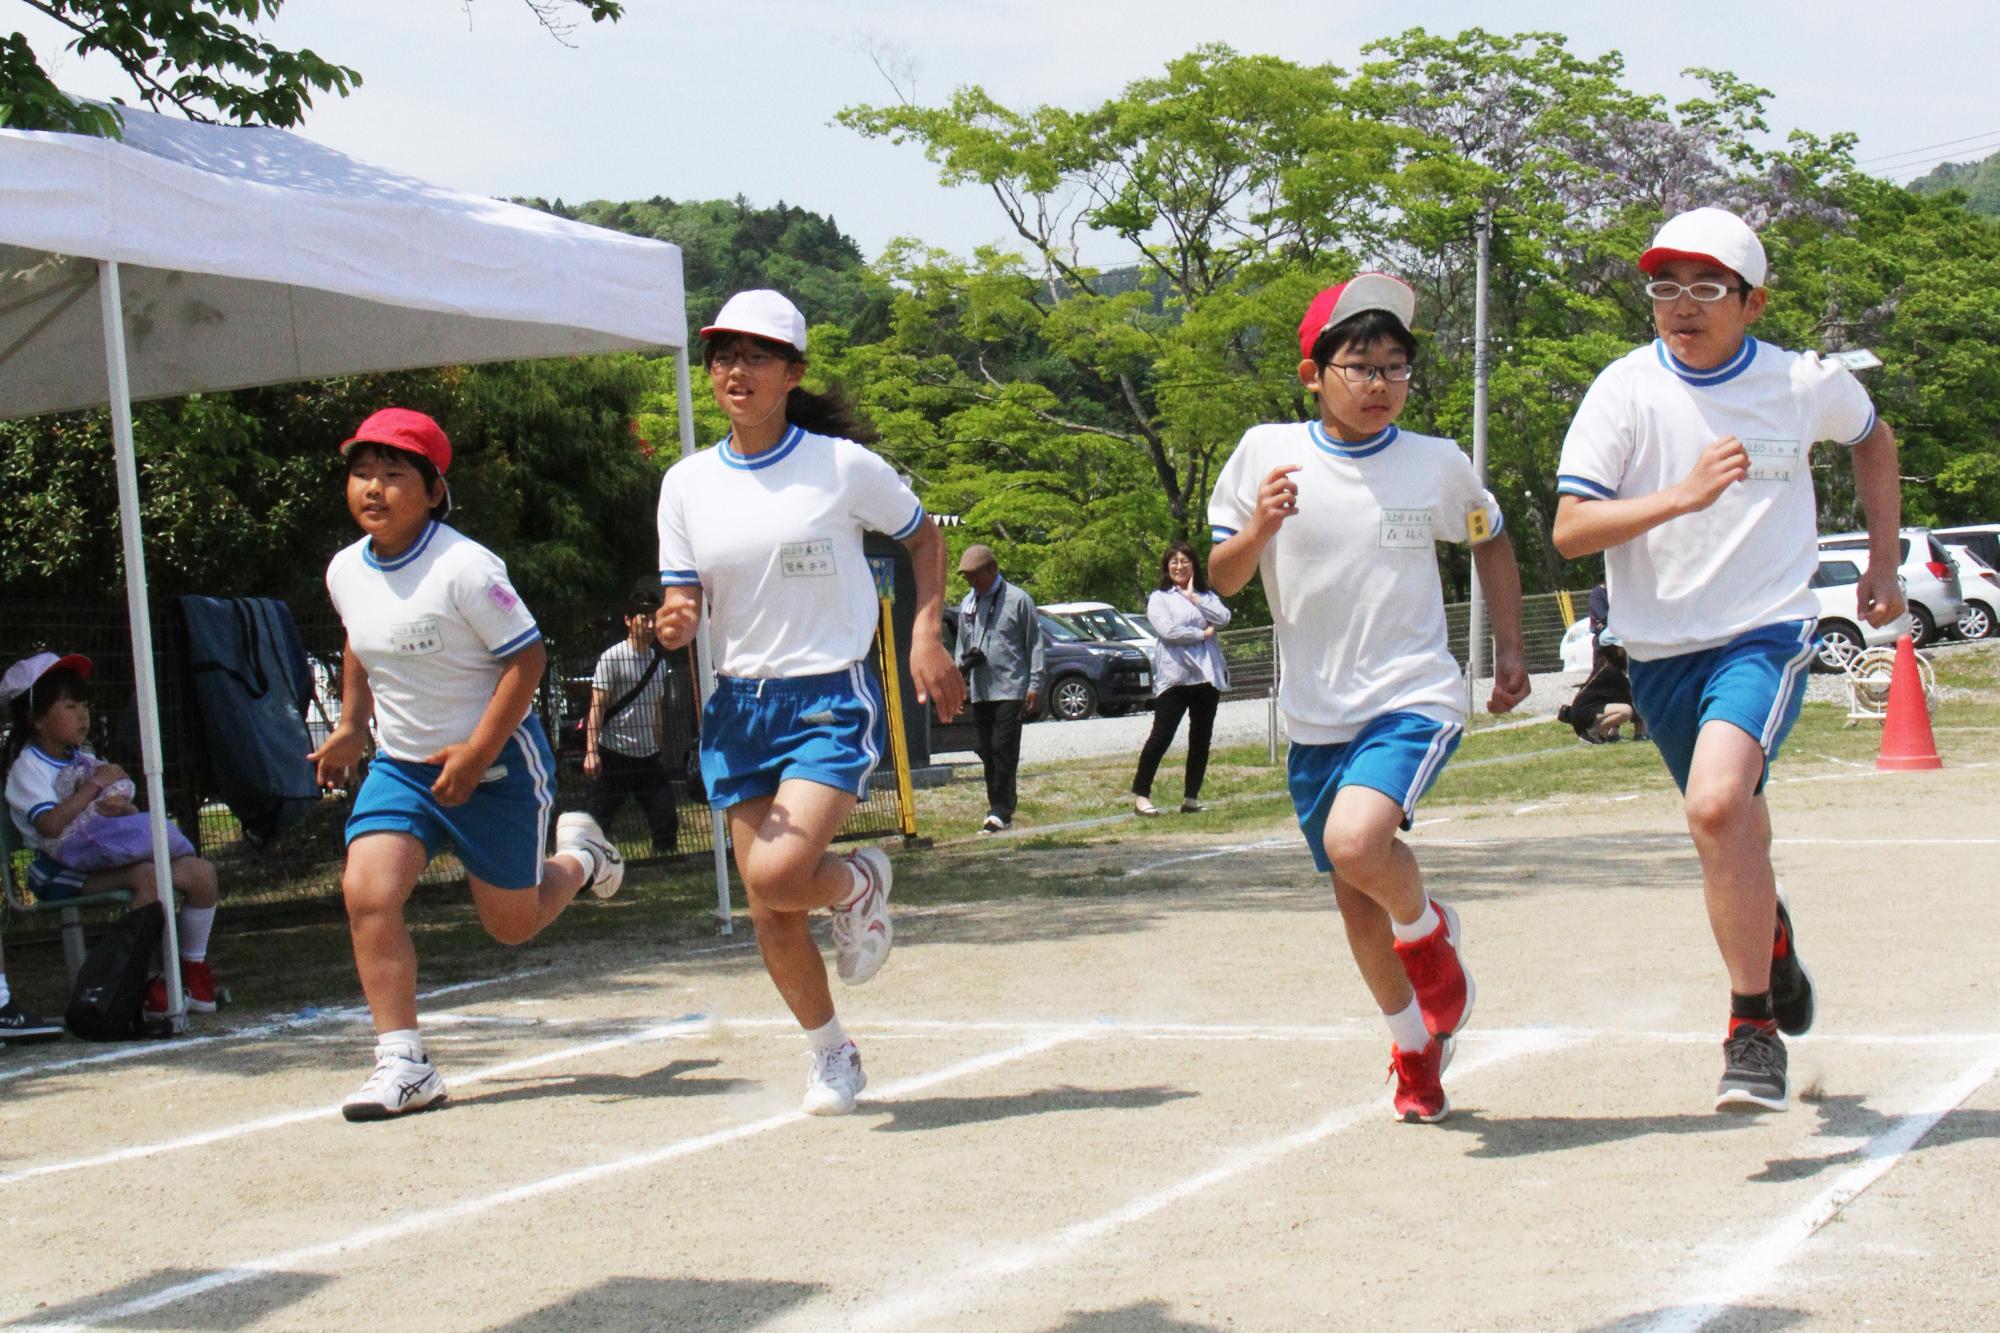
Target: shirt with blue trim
{"x":31,"y":791}
{"x":1352,"y":578}
{"x":433,"y":628}
{"x":1697,"y":581}
{"x":773,"y":540}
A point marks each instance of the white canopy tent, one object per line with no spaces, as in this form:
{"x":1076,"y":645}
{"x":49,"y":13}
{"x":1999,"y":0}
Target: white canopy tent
{"x":188,"y":257}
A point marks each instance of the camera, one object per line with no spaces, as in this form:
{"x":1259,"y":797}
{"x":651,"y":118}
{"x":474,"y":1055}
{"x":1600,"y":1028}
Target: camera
{"x":974,"y":657}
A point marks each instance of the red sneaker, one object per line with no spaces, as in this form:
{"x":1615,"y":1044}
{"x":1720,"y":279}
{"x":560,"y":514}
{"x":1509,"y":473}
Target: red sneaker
{"x":1420,"y":1095}
{"x":198,"y":983}
{"x":155,"y":1005}
{"x":1437,"y":974}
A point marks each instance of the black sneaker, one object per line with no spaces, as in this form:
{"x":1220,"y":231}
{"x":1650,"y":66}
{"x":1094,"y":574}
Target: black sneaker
{"x":1753,"y":1070}
{"x":1791,"y":984}
{"x":17,"y":1024}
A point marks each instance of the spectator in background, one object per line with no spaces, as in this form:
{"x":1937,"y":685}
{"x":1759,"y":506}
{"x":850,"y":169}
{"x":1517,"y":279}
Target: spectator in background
{"x":626,"y":730}
{"x":1603,"y":703}
{"x":1189,"y":674}
{"x":1000,"y":651}
{"x":16,"y":1023}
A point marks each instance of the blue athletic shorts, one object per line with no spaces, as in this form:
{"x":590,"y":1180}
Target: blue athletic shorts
{"x":1398,"y":754}
{"x":51,"y":880}
{"x":1756,"y":682}
{"x":500,"y":833}
{"x":828,"y":729}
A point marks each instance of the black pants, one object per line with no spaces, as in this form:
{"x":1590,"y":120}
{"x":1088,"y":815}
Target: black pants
{"x":1199,"y":703}
{"x":645,"y":781}
{"x":998,"y":745}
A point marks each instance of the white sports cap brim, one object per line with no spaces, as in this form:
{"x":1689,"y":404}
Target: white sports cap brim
{"x":1712,"y":235}
{"x":761,"y":313}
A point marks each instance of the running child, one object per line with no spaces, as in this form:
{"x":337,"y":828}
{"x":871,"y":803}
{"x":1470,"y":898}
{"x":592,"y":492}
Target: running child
{"x":444,"y":659}
{"x":766,"y":528}
{"x":75,"y":812}
{"x":1688,"y":465}
{"x":1341,"y":516}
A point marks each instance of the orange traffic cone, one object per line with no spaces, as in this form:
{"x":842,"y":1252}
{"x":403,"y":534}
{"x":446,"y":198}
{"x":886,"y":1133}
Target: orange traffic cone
{"x":1906,"y":733}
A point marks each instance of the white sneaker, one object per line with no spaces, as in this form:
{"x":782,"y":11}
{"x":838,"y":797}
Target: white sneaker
{"x":577,"y":831}
{"x":1144,"y":805}
{"x":863,"y":932}
{"x":398,"y":1086}
{"x":834,"y":1081}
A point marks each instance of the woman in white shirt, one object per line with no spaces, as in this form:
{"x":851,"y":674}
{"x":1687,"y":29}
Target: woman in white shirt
{"x":1189,"y":674}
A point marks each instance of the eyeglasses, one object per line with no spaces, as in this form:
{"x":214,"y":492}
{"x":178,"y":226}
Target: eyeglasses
{"x":1700,"y":291}
{"x":1355,"y":373}
{"x":750,"y":358}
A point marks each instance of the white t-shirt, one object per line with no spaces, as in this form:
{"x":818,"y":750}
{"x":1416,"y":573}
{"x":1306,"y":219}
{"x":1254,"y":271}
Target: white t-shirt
{"x":1352,"y":578}
{"x":433,"y":628}
{"x":633,"y":731}
{"x":1698,"y":581}
{"x":774,"y":541}
{"x":31,"y":790}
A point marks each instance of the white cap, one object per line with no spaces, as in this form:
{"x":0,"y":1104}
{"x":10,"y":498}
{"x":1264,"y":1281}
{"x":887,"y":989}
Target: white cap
{"x":1363,"y":291}
{"x":23,"y":674}
{"x":1713,"y":235}
{"x":761,"y":314}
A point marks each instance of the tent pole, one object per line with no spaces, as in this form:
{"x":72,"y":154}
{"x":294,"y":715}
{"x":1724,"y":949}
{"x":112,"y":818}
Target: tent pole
{"x":704,"y":663}
{"x":120,"y":385}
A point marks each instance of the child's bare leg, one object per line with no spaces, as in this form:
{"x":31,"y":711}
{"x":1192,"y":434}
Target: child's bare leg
{"x":1373,"y":946}
{"x":781,"y":852}
{"x":515,"y":916}
{"x":1731,"y":826}
{"x":1361,"y":842}
{"x":382,"y":869}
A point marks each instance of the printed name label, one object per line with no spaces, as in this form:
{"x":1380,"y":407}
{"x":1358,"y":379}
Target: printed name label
{"x":419,"y":638}
{"x":807,"y":560}
{"x":1772,"y":460}
{"x":1405,"y":530}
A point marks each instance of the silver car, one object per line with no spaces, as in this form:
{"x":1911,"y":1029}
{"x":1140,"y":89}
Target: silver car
{"x":1930,"y":581}
{"x":1981,"y":617}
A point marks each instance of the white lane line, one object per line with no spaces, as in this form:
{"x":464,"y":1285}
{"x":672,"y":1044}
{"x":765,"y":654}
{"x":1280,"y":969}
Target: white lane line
{"x":1887,"y":842}
{"x":1228,"y":849}
{"x":927,"y":1304}
{"x":434,"y":1218}
{"x":264,"y":1124}
{"x":181,"y":1045}
{"x":1759,"y":1263}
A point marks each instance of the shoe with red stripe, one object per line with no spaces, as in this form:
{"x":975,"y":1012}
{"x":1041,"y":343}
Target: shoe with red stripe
{"x":1437,"y":974}
{"x":862,"y":931}
{"x":1791,"y":984}
{"x":1419,"y":1096}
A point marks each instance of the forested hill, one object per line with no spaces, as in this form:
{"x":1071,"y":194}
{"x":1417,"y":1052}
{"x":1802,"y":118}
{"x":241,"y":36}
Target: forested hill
{"x":1980,"y":181}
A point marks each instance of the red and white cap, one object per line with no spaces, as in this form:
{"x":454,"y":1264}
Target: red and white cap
{"x":406,"y":429}
{"x":1363,"y":291}
{"x":762,"y":313}
{"x":21,"y":677}
{"x":1711,"y":236}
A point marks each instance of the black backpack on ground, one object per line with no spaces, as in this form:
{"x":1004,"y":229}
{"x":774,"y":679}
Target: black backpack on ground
{"x":109,"y":997}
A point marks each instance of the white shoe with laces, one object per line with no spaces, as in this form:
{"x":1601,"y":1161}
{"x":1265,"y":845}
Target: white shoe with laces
{"x":862,"y":931}
{"x":399,"y":1085}
{"x":834,"y":1081}
{"x":577,"y":831}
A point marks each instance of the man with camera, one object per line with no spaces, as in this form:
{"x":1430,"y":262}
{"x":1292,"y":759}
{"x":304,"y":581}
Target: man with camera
{"x":1000,"y":651}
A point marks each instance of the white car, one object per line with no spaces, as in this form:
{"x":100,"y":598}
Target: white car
{"x":1107,"y":622}
{"x":1930,"y":584}
{"x":1842,"y":631}
{"x":1981,"y":588}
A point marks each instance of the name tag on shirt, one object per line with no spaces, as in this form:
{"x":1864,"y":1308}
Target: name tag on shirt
{"x":806,"y":560}
{"x":1772,"y":460}
{"x":1405,"y":530}
{"x":419,"y":638}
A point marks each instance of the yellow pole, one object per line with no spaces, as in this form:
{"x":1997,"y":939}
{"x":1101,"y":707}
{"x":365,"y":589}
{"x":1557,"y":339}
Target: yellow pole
{"x":899,"y":745}
{"x":1568,"y":606}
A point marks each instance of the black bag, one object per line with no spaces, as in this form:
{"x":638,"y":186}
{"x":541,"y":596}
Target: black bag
{"x":109,"y":997}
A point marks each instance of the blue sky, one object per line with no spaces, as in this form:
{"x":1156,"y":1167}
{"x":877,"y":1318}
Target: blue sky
{"x":715,"y":100}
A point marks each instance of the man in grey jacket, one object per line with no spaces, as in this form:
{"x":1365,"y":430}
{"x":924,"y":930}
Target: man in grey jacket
{"x":1000,"y":651}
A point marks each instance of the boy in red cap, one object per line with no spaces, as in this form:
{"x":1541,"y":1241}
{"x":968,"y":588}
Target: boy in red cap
{"x":444,"y":659}
{"x":1341,"y":515}
{"x":1687,"y":465}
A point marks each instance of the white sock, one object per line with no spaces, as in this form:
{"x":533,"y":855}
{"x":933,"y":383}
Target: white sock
{"x":5,"y":994}
{"x":860,"y":880}
{"x":196,"y":923}
{"x":830,"y":1037}
{"x":406,"y":1042}
{"x":1421,"y":928}
{"x":586,"y":858}
{"x":1407,"y":1029}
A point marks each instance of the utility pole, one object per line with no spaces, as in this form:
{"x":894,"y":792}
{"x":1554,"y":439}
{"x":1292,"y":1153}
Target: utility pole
{"x":1475,"y":629}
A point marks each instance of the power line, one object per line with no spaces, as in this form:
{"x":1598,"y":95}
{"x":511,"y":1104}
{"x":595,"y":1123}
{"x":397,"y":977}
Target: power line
{"x":1985,"y":134}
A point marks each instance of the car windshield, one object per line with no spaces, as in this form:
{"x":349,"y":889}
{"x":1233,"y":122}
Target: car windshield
{"x":1104,"y":624}
{"x":1061,"y":630}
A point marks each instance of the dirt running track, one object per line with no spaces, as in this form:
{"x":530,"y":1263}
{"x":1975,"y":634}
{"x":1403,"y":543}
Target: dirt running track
{"x":1158,"y":1105}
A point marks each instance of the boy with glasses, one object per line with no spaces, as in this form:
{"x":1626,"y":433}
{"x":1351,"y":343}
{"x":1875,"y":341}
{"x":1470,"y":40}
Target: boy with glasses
{"x":1687,"y":465}
{"x":1341,"y":516}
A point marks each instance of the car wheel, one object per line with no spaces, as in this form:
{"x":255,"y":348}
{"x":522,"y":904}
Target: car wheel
{"x":1072,"y":699}
{"x":1837,"y":645}
{"x":1976,"y":622}
{"x":1923,"y":625}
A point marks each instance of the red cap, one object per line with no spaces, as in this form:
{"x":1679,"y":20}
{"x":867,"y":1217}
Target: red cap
{"x":1363,"y":291}
{"x":408,"y":430}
